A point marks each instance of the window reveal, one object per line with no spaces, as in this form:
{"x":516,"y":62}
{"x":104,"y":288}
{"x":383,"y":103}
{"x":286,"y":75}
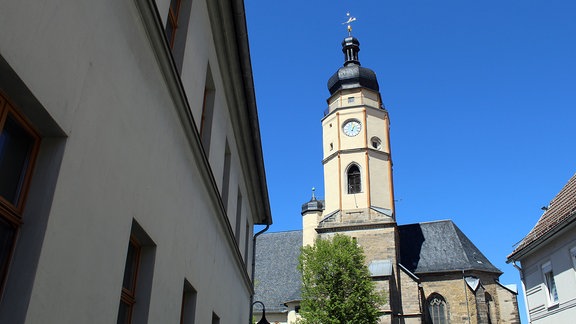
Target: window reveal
{"x":19,"y":145}
{"x":354,"y":184}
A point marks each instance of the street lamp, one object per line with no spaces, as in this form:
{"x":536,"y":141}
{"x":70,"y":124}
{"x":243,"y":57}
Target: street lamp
{"x":263,"y":319}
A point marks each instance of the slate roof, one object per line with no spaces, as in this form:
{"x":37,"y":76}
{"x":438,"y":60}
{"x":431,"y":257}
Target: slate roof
{"x":439,"y":246}
{"x":561,"y":212}
{"x":277,"y":279}
{"x":352,"y":75}
{"x":424,"y":248}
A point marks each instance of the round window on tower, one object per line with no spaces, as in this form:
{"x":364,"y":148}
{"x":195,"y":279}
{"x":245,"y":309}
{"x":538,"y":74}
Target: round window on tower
{"x":376,"y":143}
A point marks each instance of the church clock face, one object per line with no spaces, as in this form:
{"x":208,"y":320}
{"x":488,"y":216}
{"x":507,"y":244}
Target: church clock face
{"x":352,"y":127}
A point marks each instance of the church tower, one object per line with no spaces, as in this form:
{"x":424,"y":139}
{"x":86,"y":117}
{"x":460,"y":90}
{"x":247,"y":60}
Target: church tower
{"x":357,"y":164}
{"x":358,"y":187}
{"x":421,"y":268}
{"x":357,"y":161}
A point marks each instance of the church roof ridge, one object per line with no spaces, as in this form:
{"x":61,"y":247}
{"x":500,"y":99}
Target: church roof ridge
{"x":430,"y":222}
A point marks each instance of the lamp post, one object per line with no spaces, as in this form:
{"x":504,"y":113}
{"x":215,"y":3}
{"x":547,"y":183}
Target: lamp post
{"x":263,"y":319}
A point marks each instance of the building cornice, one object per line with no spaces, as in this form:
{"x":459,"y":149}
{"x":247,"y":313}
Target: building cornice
{"x":228,"y":18}
{"x":355,"y":150}
{"x":354,"y":227}
{"x":152,"y":23}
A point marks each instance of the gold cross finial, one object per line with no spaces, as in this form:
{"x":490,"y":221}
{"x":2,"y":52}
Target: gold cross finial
{"x":348,"y":22}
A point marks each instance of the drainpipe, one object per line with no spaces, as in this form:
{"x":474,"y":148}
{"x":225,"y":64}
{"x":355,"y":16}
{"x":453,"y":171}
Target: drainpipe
{"x":254,"y":268}
{"x":466,"y":294}
{"x":521,"y":272}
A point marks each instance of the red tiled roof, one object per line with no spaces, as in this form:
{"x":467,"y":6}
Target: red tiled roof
{"x":559,"y":211}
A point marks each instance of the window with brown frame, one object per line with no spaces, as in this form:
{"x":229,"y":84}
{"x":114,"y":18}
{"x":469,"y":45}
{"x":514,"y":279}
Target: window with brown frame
{"x":238,"y":224}
{"x":138,"y":276}
{"x":128,"y":298}
{"x":247,"y":238}
{"x":176,"y":30}
{"x":19,"y":145}
{"x":226,"y":175}
{"x":172,"y":23}
{"x":207,"y":111}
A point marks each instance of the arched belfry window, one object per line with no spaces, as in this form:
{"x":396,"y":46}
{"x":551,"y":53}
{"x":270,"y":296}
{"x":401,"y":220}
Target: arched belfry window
{"x":354,"y":183}
{"x":437,"y":310}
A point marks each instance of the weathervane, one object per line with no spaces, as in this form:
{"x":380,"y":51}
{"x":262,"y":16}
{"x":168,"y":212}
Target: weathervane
{"x":348,"y":22}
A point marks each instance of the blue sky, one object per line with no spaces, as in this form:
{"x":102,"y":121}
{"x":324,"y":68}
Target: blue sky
{"x":481,"y":96}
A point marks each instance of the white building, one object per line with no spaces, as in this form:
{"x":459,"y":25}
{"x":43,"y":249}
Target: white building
{"x":547,"y":257}
{"x":131,"y":171}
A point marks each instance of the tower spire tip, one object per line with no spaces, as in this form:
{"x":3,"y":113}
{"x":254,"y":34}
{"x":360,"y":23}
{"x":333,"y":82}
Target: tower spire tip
{"x":349,"y":22}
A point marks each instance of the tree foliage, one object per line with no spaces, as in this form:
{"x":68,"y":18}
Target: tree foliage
{"x":336,"y":284}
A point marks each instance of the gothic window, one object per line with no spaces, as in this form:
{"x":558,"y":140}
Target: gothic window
{"x":354,"y":184}
{"x":437,"y":310}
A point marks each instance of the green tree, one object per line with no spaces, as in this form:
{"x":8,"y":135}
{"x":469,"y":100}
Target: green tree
{"x":336,"y":284}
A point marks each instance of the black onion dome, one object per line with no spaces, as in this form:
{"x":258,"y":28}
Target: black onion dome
{"x":352,"y":75}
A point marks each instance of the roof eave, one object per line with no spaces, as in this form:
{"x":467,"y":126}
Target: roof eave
{"x":434,"y":272}
{"x":534,"y":245}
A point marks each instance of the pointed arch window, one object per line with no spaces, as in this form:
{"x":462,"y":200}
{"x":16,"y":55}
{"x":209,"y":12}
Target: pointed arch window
{"x":354,"y":183}
{"x":437,"y":309}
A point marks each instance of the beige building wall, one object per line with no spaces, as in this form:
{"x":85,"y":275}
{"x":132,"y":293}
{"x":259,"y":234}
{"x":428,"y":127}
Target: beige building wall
{"x":506,"y":306}
{"x":369,"y":150}
{"x":410,"y":297}
{"x":309,"y":223}
{"x":120,"y":127}
{"x":459,"y":298}
{"x":332,"y":185}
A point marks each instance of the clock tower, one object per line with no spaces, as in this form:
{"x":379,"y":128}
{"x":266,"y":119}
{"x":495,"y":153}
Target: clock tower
{"x":356,"y":145}
{"x":441,"y":276}
{"x":358,"y":187}
{"x":357,"y":161}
